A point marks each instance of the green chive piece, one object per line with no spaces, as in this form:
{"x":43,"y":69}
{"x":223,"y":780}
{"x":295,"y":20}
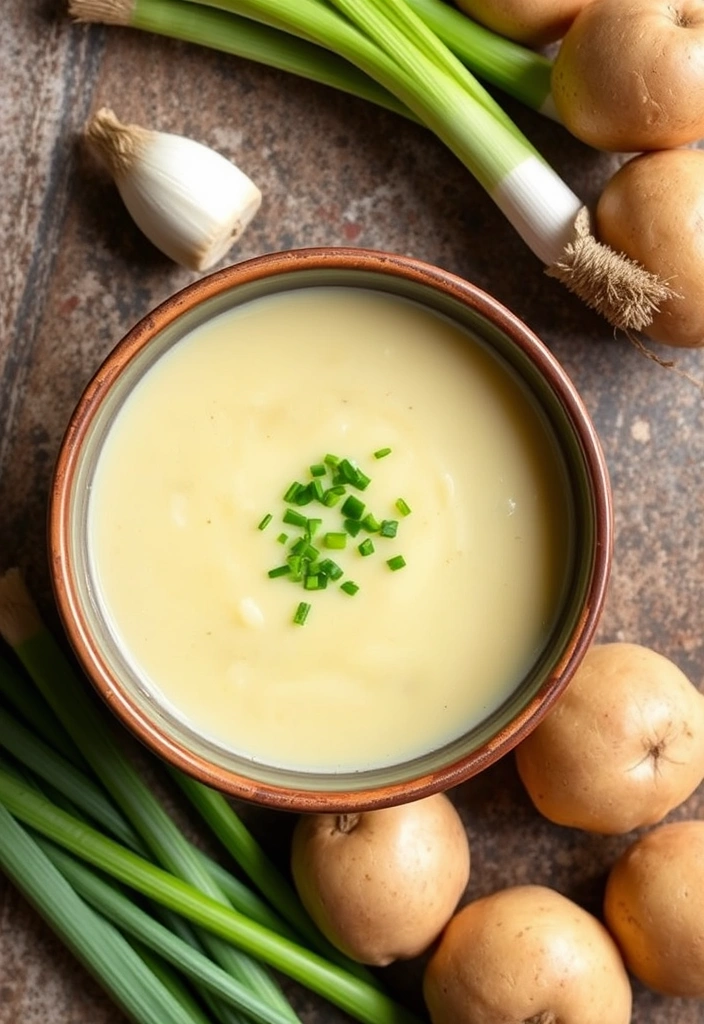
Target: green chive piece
{"x":316,"y":488}
{"x":349,"y":587}
{"x":353,"y":526}
{"x":335,"y":540}
{"x":301,"y":613}
{"x":403,"y":507}
{"x":295,"y":563}
{"x":280,"y":570}
{"x":282,"y":538}
{"x":366,"y":547}
{"x":312,"y":526}
{"x":292,"y":491}
{"x":352,"y":507}
{"x":318,"y":469}
{"x":370,"y":523}
{"x":294,"y":518}
{"x":397,"y":562}
{"x":265,"y":521}
{"x":318,"y":581}
{"x":330,"y":569}
{"x":381,"y":453}
{"x":388,"y":527}
{"x":332,"y":460}
{"x":362,"y":481}
{"x":304,"y":495}
{"x":333,"y":495}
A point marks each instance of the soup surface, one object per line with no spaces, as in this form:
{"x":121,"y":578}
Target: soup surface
{"x":204,"y":449}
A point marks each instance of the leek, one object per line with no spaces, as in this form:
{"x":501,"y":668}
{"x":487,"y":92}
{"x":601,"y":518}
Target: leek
{"x":389,"y":42}
{"x":53,"y":674}
{"x":361,"y":1001}
{"x":97,"y":944}
{"x":240,"y":37}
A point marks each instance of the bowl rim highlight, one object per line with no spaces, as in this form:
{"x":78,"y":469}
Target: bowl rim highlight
{"x":390,"y":269}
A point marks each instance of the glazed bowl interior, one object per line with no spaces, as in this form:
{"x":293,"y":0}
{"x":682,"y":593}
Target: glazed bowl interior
{"x":521,"y":354}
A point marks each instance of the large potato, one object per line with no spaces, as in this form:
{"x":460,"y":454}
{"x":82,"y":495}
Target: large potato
{"x":381,"y":885}
{"x":526,"y":954}
{"x":653,"y":907}
{"x":622,"y":747}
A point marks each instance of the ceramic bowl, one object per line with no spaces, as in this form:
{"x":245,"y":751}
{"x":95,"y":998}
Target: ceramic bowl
{"x":516,"y":348}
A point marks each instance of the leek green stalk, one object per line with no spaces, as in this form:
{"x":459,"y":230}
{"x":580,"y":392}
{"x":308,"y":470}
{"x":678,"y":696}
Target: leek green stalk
{"x":363,"y":1002}
{"x":97,"y":944}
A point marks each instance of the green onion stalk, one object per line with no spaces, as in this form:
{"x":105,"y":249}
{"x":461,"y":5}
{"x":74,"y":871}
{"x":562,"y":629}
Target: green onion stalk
{"x":392,"y":45}
{"x":362,"y":1001}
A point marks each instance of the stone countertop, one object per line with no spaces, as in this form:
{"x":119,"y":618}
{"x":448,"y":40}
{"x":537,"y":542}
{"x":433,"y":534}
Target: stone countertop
{"x":77,"y":274}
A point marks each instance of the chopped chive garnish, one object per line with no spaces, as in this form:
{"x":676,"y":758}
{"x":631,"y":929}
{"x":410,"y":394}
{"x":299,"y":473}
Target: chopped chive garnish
{"x":381,"y":453}
{"x":304,"y":548}
{"x":332,"y":460}
{"x":312,"y":526}
{"x":397,"y":562}
{"x":265,"y":521}
{"x":362,"y":481}
{"x":333,"y":495}
{"x":403,"y":507}
{"x":280,"y":570}
{"x":353,"y":526}
{"x":318,"y":469}
{"x":349,"y":587}
{"x":304,"y":495}
{"x":388,"y":527}
{"x":370,"y":523}
{"x":330,"y":569}
{"x":294,"y":518}
{"x":282,"y":538}
{"x":316,"y":582}
{"x":366,"y":547}
{"x":335,"y":540}
{"x":301,"y":613}
{"x":352,"y":507}
{"x":293,"y":489}
{"x":315,"y":487}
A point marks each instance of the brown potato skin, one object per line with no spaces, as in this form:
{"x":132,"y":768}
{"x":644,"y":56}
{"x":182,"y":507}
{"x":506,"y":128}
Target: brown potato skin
{"x":652,"y":209}
{"x":622,"y":747}
{"x":385,"y":889}
{"x":521,"y":953}
{"x":531,"y":22}
{"x":653,"y":908}
{"x":629,"y":74}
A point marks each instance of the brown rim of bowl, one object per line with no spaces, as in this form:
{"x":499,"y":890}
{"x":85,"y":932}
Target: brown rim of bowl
{"x":74,"y":620}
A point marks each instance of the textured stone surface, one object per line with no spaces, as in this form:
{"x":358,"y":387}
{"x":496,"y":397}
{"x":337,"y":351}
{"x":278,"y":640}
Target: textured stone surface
{"x":76,"y":274}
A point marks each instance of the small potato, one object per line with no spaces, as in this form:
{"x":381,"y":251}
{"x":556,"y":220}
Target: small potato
{"x":653,"y":908}
{"x":526,"y":955}
{"x":622,"y":747}
{"x":532,"y":22}
{"x":381,"y":885}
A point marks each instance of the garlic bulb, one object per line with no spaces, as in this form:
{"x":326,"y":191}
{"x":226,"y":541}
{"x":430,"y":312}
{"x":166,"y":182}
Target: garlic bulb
{"x":190,"y":201}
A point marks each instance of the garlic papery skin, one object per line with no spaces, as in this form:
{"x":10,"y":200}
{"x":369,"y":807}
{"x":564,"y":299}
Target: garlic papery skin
{"x":190,"y":201}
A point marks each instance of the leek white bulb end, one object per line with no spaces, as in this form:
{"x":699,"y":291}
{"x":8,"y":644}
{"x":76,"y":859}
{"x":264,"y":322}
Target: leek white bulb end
{"x":189,"y":200}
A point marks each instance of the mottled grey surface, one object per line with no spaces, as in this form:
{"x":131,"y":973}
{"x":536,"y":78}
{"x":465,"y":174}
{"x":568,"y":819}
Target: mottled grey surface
{"x":76,"y":274}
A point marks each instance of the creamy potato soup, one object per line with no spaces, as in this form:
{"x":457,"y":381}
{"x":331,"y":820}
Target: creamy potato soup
{"x":216,"y":575}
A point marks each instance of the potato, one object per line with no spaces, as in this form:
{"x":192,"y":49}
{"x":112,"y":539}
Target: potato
{"x":532,"y":22}
{"x":629,"y":74}
{"x":622,"y":747}
{"x":652,"y":209}
{"x":526,"y":954}
{"x":381,"y":885}
{"x":653,"y":907}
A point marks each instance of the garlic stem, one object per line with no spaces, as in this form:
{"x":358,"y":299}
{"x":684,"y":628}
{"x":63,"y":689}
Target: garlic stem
{"x":190,"y":201}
